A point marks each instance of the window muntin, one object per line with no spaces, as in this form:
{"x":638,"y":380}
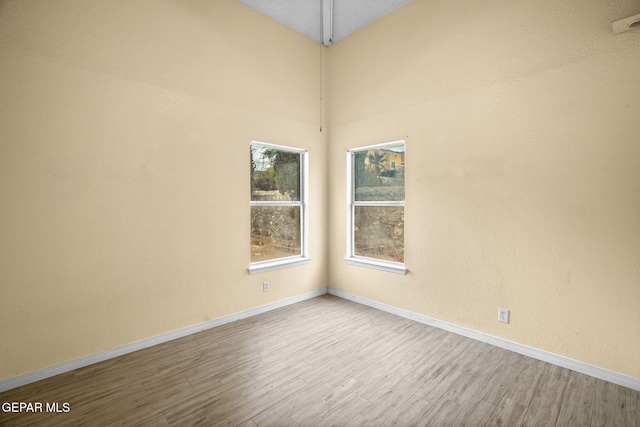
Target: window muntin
{"x":278,"y":206}
{"x":375,"y":197}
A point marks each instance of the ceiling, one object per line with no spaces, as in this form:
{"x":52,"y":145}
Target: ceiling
{"x":326,"y":21}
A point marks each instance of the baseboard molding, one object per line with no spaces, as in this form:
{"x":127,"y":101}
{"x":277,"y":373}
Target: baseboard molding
{"x":565,"y":362}
{"x":149,"y":342}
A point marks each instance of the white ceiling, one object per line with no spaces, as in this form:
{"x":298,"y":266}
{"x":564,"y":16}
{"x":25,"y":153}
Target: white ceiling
{"x":326,"y":21}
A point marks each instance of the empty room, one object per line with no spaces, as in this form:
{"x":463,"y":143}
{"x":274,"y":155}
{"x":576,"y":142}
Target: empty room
{"x":320,"y":212}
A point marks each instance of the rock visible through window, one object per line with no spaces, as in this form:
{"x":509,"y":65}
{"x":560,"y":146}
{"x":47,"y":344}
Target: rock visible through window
{"x":377,"y":196}
{"x":277,"y":202}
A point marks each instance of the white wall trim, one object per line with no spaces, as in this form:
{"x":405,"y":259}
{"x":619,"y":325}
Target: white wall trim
{"x":149,"y":342}
{"x":565,"y":362}
{"x":555,"y":359}
{"x":261,"y":267}
{"x":389,"y":267}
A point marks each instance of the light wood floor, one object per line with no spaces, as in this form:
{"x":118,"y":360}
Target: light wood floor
{"x":325,"y":362}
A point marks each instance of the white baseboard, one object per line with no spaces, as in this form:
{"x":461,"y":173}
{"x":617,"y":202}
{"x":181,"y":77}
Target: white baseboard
{"x":565,"y":362}
{"x":139,"y":345}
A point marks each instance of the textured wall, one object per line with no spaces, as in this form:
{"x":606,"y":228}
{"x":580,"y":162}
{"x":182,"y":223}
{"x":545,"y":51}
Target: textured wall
{"x":124,"y":132}
{"x":522,"y":167}
{"x":124,"y":173}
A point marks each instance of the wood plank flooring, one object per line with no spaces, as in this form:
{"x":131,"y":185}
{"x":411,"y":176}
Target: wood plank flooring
{"x":326,"y":362}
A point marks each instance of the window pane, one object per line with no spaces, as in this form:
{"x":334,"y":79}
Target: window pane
{"x":275,"y":232}
{"x":275,"y":174}
{"x":379,"y":232}
{"x":379,"y":174}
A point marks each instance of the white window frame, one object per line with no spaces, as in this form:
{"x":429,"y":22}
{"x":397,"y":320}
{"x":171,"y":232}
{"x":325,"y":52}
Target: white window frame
{"x":351,"y":258}
{"x":303,"y":258}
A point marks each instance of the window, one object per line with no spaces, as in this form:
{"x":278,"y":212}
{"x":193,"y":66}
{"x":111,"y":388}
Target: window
{"x":375,"y":199}
{"x":278,"y":206}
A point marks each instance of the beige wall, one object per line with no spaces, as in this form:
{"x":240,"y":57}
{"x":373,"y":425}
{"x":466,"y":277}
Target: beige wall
{"x":522,"y":167}
{"x":124,"y":132}
{"x":124,"y":172}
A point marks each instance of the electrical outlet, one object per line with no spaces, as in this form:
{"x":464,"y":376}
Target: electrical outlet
{"x":265,"y":286}
{"x":503,"y":315}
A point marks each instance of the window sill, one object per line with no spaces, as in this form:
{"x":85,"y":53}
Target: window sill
{"x":388,"y":266}
{"x":259,"y":267}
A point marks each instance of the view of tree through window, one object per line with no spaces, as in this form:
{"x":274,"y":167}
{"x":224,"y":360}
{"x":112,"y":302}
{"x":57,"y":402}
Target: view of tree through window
{"x":276,"y":203}
{"x":377,"y":205}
